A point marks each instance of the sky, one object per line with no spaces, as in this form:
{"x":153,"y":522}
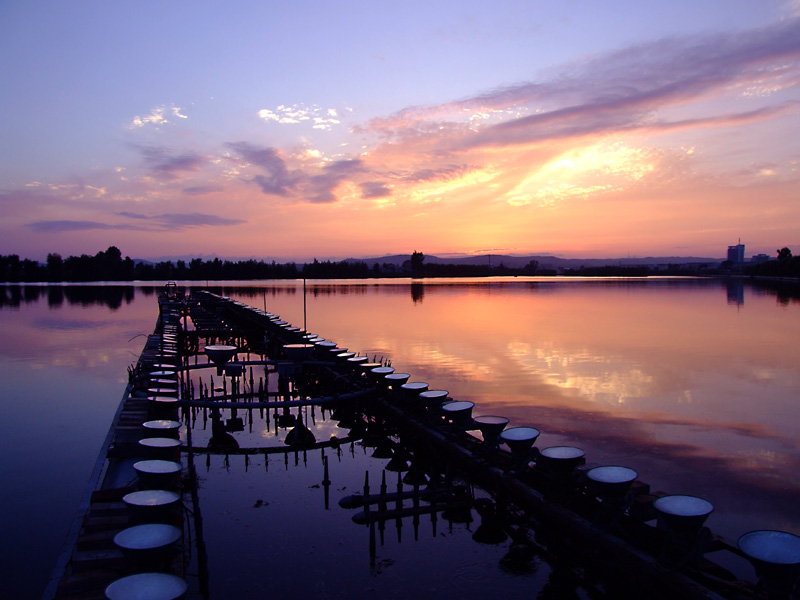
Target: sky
{"x":332,"y":129}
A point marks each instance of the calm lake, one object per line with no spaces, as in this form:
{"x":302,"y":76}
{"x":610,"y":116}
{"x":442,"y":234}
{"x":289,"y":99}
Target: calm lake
{"x":692,"y":383}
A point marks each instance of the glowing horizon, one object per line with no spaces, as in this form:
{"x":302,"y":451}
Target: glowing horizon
{"x":357,"y":132}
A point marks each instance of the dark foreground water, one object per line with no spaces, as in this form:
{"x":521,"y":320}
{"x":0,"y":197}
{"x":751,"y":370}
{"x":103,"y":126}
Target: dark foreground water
{"x":692,"y":383}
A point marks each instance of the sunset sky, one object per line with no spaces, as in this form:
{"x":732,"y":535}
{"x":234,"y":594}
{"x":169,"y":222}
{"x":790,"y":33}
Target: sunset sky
{"x":333,"y":129}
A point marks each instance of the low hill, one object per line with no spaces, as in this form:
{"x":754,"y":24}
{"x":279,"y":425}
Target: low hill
{"x":545,"y":262}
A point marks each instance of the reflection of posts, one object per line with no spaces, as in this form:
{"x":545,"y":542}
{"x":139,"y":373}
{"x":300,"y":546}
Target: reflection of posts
{"x":220,"y":438}
{"x":492,"y":527}
{"x":284,"y":372}
{"x":326,"y":480}
{"x":300,"y":436}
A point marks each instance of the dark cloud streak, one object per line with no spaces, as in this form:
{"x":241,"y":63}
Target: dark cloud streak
{"x":131,"y":215}
{"x":321,"y":187}
{"x":445,"y":172}
{"x":375,"y":189}
{"x":277,"y":180}
{"x":201,"y":190}
{"x":186,"y":220}
{"x":168,"y":166}
{"x":163,"y":222}
{"x":183,"y":220}
{"x":68,"y":226}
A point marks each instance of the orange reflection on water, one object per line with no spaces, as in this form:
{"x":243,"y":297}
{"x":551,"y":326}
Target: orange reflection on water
{"x":666,"y":376}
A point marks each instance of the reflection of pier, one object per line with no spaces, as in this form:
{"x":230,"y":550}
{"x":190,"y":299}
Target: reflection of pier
{"x":454,"y":502}
{"x":587,"y":504}
{"x":281,"y":450}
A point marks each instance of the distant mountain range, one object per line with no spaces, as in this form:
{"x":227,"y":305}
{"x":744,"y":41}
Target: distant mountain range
{"x":545,"y":261}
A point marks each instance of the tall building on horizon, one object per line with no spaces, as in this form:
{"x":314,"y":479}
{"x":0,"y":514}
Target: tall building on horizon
{"x":736,"y":253}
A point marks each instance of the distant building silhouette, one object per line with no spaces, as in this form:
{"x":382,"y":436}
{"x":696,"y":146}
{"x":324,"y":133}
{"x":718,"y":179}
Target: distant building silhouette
{"x":736,"y":254}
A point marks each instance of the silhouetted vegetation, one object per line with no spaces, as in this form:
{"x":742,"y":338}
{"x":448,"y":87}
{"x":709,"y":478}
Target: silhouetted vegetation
{"x":109,"y":265}
{"x":199,"y":270}
{"x":106,"y":265}
{"x":338,"y":270}
{"x":785,"y":265}
{"x":417,"y":266}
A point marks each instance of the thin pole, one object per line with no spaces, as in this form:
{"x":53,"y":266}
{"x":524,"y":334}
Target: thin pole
{"x":304,"y":305}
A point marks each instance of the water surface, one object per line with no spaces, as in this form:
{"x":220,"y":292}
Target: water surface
{"x":692,"y":383}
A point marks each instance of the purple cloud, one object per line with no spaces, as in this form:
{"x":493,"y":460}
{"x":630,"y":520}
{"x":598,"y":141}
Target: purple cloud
{"x":169,"y":166}
{"x":177,"y":221}
{"x":170,"y":221}
{"x":67,"y":226}
{"x":200,"y":190}
{"x":375,"y":189}
{"x":442,"y":173}
{"x":131,"y":215}
{"x":277,"y":180}
{"x":321,"y":187}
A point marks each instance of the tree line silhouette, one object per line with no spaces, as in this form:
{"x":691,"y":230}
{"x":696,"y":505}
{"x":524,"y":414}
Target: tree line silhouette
{"x":109,"y":265}
{"x":784,"y":265}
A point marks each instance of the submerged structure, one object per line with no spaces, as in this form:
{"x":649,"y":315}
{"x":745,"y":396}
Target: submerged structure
{"x":238,"y":464}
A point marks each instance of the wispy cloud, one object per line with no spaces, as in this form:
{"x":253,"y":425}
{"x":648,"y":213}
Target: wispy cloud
{"x":312,"y":182}
{"x":163,"y":222}
{"x":321,"y":187}
{"x":275,"y":177}
{"x":319,"y":118}
{"x":617,"y":92}
{"x":201,"y":190}
{"x":375,"y":189}
{"x":441,"y":173}
{"x":180,"y":221}
{"x":166,"y":165}
{"x":68,"y":226}
{"x":158,"y":116}
{"x":186,"y":220}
